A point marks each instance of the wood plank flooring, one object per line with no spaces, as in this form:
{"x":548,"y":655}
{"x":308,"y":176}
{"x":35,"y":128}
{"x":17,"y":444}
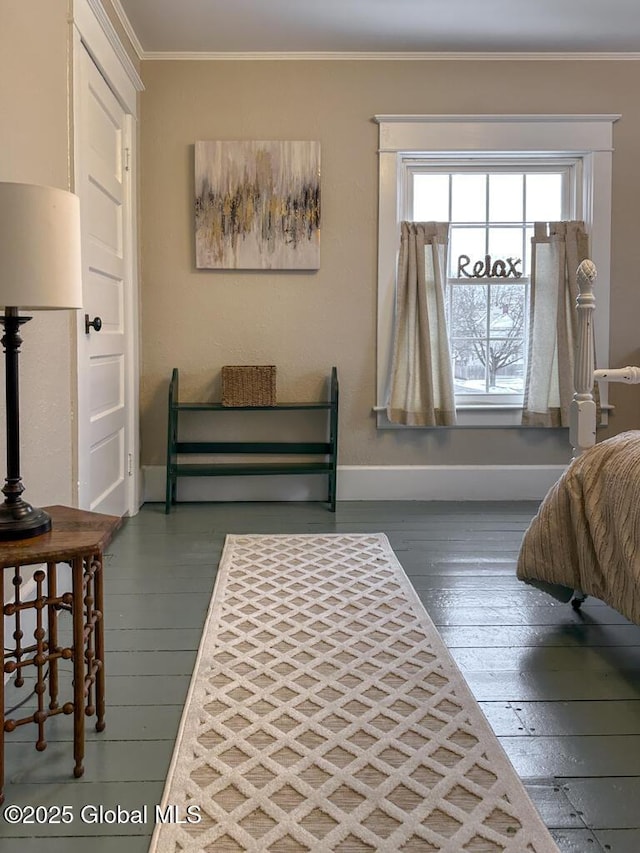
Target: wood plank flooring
{"x":561,"y":689}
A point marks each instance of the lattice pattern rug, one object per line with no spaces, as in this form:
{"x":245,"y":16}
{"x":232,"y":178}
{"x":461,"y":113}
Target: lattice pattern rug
{"x":325,"y":714}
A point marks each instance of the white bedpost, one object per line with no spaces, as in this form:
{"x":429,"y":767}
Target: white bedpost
{"x":582,"y":416}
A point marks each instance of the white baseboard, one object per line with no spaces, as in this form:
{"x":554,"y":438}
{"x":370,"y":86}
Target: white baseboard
{"x":364,"y":482}
{"x":447,"y":482}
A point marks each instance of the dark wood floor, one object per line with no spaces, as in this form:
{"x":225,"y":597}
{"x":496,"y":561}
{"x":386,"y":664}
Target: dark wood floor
{"x":561,"y":689}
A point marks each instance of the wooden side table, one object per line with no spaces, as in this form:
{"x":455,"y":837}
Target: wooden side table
{"x":78,"y":538}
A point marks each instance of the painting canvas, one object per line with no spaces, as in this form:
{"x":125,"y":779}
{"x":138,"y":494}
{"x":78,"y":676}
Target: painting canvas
{"x":257,"y":205}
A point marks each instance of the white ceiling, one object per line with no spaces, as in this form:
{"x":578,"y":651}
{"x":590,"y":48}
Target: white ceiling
{"x":382,"y":26}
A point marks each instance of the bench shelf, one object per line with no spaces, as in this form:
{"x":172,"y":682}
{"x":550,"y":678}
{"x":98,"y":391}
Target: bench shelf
{"x":324,"y":452}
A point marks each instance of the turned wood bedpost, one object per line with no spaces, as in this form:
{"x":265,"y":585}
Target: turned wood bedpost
{"x":582,"y":416}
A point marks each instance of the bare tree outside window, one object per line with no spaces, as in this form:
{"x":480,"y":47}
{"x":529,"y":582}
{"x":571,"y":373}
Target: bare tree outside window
{"x":488,"y":350}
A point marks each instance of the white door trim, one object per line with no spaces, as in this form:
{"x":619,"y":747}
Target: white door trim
{"x":134,"y":496}
{"x":102,"y":41}
{"x":96,"y":33}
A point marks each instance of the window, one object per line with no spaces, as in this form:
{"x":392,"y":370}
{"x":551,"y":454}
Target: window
{"x":491,"y":177}
{"x":492,"y":206}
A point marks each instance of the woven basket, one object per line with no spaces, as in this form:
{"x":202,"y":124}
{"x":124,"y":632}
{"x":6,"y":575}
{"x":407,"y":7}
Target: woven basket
{"x":249,"y":385}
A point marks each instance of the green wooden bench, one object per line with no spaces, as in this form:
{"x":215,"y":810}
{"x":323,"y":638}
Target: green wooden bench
{"x":323,"y":454}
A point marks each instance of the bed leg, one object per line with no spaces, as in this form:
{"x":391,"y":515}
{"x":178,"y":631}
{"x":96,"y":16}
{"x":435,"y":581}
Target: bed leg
{"x":578,"y":598}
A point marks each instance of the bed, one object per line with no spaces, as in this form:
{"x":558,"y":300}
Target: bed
{"x":585,"y":537}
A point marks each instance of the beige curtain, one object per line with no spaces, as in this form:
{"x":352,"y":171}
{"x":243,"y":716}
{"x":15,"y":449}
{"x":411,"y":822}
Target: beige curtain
{"x":557,"y":249}
{"x":421,"y":382}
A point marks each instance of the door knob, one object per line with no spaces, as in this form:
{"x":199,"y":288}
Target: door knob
{"x":95,"y":324}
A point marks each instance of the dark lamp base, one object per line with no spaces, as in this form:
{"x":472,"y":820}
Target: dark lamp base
{"x":22,"y":521}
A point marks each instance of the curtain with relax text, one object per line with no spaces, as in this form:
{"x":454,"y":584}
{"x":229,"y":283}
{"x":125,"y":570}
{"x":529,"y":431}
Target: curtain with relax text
{"x":421,"y":382}
{"x":557,"y":248}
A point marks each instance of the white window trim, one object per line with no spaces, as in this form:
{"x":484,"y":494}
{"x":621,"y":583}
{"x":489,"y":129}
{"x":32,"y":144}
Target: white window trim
{"x":589,"y":137}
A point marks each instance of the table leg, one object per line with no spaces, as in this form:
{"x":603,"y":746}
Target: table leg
{"x":52,"y":640}
{"x":77,"y":569}
{"x":18,"y":651}
{"x":99,"y":642}
{"x":40,"y":659}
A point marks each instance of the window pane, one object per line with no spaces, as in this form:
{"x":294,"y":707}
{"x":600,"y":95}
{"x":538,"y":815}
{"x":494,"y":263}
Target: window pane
{"x":466,"y":241}
{"x":431,"y":198}
{"x":506,"y":243}
{"x":469,"y":198}
{"x":544,"y":197}
{"x":506,"y":367}
{"x":506,"y":198}
{"x":507,"y":309}
{"x":469,"y":372}
{"x":506,"y":345}
{"x":469,"y":310}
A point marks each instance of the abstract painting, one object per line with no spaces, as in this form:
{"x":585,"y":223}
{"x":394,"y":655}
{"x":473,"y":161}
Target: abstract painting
{"x":257,"y":205}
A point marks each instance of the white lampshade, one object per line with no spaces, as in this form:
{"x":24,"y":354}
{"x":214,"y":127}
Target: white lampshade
{"x":40,"y":266}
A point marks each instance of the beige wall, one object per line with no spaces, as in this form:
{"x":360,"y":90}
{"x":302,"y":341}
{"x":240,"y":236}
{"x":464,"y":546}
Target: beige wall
{"x":305,"y":322}
{"x":34,"y":149}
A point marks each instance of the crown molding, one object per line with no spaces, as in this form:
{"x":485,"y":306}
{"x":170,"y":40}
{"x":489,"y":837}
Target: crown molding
{"x":128,"y":28}
{"x":95,"y":30}
{"x":500,"y":118}
{"x":351,"y":56}
{"x":113,"y":38}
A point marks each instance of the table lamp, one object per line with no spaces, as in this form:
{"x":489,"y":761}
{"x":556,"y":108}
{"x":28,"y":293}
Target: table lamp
{"x":40,"y":270}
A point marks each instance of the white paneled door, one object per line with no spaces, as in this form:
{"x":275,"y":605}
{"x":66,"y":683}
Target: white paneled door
{"x":103,"y":182}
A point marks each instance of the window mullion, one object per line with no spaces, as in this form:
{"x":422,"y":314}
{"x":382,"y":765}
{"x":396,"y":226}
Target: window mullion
{"x":487,"y":345}
{"x":487,"y":371}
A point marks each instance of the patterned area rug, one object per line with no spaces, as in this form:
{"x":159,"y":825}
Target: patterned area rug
{"x":325,"y":714}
